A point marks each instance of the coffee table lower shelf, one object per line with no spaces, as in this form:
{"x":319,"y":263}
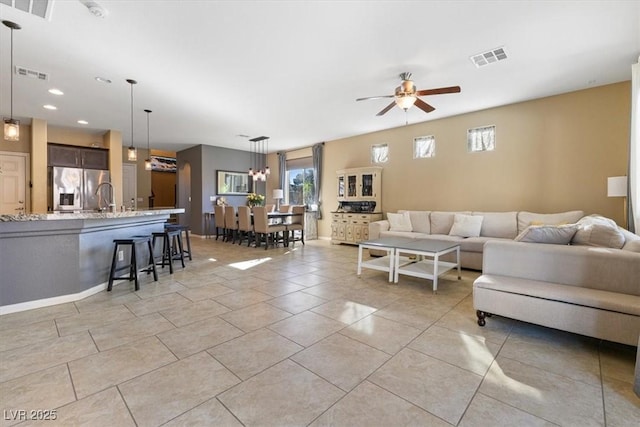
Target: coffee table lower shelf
{"x":424,"y":269}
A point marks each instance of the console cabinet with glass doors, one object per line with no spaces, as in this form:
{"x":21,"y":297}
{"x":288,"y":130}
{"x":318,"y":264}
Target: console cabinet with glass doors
{"x":359,"y":203}
{"x":360,"y":184}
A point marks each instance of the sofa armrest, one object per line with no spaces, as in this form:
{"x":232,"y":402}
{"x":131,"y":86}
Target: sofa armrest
{"x":607,"y":269}
{"x":376,"y":227}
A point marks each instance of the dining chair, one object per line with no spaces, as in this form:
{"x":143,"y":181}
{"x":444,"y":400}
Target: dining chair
{"x":245,"y":229}
{"x":296,"y":224}
{"x":284,"y":208}
{"x":218,"y":213}
{"x":270,"y":207}
{"x":230,"y":223}
{"x":262,"y":229}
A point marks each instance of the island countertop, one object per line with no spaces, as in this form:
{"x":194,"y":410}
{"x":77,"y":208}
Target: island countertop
{"x":89,"y":215}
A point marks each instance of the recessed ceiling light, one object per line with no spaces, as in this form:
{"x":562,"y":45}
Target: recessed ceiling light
{"x":50,"y":107}
{"x":83,"y":122}
{"x":55,"y":91}
{"x":103,"y":79}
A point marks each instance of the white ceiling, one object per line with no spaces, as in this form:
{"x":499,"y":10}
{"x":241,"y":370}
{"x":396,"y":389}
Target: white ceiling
{"x":291,"y":70}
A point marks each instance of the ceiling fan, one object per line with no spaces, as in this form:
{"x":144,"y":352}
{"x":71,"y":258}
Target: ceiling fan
{"x":406,"y":95}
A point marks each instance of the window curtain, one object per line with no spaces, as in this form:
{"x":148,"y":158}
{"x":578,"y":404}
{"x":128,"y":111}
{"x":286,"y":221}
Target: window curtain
{"x":317,"y":150}
{"x":282,"y":173}
{"x":633,"y":187}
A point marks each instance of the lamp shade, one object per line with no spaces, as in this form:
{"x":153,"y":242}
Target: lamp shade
{"x":617,"y":186}
{"x":405,"y":102}
{"x":278,"y":193}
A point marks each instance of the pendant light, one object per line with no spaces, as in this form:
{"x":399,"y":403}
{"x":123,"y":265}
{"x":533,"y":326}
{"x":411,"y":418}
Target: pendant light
{"x":132,"y":153}
{"x":147,"y":161}
{"x":11,"y":125}
{"x":258,"y":154}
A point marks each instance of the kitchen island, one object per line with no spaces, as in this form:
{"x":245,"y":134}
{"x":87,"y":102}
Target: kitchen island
{"x":53,"y":258}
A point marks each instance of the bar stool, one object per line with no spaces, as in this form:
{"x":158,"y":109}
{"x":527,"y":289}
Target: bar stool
{"x":132,"y":267}
{"x":169,"y":251}
{"x":185,"y":229}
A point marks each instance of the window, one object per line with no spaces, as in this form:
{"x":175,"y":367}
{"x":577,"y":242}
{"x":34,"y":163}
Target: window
{"x":424,"y":146}
{"x":379,"y":153}
{"x":301,"y":182}
{"x":481,"y":139}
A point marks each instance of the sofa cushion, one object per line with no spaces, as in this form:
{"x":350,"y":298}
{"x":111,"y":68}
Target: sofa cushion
{"x":499,"y":224}
{"x":466,"y":225}
{"x":526,"y":219}
{"x":551,"y":234}
{"x":444,"y":238}
{"x":631,"y":240}
{"x":605,"y":300}
{"x":596,"y":230}
{"x":476,"y":244}
{"x":419,"y":221}
{"x":409,"y":234}
{"x":399,"y":221}
{"x":441,"y":222}
{"x":632,"y":246}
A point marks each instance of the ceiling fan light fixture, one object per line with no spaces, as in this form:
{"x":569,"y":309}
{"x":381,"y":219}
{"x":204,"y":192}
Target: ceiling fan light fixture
{"x":405,"y":102}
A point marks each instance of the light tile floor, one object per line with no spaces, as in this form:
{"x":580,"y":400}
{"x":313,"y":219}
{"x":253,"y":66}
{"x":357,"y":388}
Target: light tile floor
{"x":292,"y":337}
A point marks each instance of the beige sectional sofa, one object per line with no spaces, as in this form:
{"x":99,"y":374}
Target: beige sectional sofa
{"x":589,"y":290}
{"x":494,"y":226}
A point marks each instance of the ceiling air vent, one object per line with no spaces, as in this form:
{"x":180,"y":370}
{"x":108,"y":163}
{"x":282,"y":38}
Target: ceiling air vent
{"x":41,"y":8}
{"x":25,"y":72}
{"x":489,"y":57}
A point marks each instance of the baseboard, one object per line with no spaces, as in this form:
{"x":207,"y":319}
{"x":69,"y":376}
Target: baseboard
{"x":46,"y":302}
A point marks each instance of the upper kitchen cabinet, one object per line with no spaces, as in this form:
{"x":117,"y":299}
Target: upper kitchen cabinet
{"x":77,"y":157}
{"x":94,"y":158}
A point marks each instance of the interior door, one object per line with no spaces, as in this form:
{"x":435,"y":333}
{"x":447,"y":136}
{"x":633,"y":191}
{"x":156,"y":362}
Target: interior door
{"x":13,"y":176}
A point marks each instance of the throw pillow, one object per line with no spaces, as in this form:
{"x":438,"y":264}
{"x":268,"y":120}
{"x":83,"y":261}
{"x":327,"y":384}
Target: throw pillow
{"x":632,"y":246}
{"x":552,"y":234}
{"x":596,"y":230}
{"x":399,"y":221}
{"x":466,"y":225}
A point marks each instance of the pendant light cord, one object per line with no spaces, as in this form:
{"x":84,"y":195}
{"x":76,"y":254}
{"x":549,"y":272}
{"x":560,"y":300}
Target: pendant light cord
{"x":131,"y":114}
{"x":11,"y":72}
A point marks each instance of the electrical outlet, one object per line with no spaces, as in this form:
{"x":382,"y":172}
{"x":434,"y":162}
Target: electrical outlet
{"x":212,"y":198}
{"x":120,"y":255}
{"x":140,"y":199}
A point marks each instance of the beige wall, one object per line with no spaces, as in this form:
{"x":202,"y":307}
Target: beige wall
{"x":552,"y":154}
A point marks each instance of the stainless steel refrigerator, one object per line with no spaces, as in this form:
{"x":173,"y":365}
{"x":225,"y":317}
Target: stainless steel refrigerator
{"x":74,"y":189}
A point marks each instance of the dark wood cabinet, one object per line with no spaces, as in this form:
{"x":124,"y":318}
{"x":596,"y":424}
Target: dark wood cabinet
{"x":62,"y":155}
{"x":93,"y":158}
{"x":77,"y":157}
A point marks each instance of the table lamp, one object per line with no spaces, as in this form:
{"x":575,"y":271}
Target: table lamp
{"x":278,"y":194}
{"x":617,"y":187}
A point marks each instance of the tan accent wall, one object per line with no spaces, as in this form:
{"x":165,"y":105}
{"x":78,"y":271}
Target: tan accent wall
{"x":22,"y":145}
{"x":112,"y":140}
{"x":38,"y":151}
{"x":552,"y":154}
{"x":77,"y":137}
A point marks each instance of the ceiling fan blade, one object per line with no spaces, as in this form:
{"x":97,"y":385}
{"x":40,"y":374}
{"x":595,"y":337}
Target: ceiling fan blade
{"x":387,"y":108}
{"x":438,"y":91}
{"x":375,"y":97}
{"x":423,"y":106}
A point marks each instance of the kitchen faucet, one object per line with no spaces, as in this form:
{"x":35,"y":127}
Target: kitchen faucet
{"x":112,"y":203}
